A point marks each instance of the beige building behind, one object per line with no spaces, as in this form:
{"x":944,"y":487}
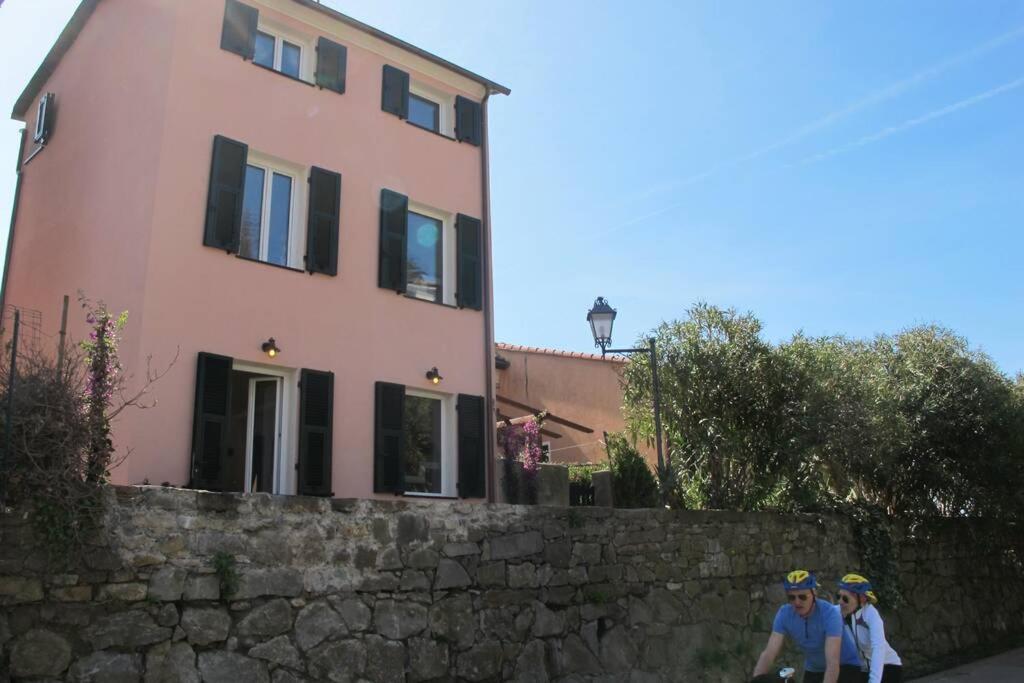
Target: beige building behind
{"x":580,"y":391}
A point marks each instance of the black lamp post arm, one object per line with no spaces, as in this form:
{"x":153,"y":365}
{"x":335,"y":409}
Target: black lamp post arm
{"x":651,"y":349}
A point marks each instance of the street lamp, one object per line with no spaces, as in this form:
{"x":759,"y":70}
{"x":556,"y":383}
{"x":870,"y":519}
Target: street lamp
{"x":601,"y":318}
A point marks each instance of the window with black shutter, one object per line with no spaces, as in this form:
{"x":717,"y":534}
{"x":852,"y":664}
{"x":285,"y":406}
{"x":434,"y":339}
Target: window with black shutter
{"x":389,"y":437}
{"x":45,"y":117}
{"x":469,"y":122}
{"x":238,"y":33}
{"x":394,"y":210}
{"x":472,"y":449}
{"x":224,"y":201}
{"x":210,"y":424}
{"x":394,"y":96}
{"x":322,"y":229}
{"x":331,"y":60}
{"x":469,"y":292}
{"x":316,"y":419}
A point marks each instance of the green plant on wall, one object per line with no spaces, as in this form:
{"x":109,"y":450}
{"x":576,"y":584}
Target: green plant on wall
{"x":224,"y":566}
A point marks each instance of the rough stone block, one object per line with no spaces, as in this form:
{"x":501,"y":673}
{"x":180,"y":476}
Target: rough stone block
{"x":171,"y":663}
{"x":428,"y":659}
{"x":129,"y":629}
{"x":15,"y":590}
{"x":125,"y":592}
{"x":72,"y":594}
{"x":167,"y":584}
{"x":316,"y":623}
{"x":202,"y":587}
{"x":107,"y":667}
{"x":270,"y":619}
{"x":341,"y":661}
{"x":385,"y":659}
{"x":513,"y":546}
{"x":279,"y":651}
{"x":39,"y":653}
{"x":480,"y":663}
{"x":399,"y":620}
{"x":450,"y":574}
{"x":451,"y":620}
{"x":205,"y":625}
{"x":231,"y":667}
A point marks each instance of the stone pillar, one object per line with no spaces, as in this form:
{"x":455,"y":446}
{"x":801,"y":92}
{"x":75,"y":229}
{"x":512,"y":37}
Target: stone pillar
{"x":603,"y":489}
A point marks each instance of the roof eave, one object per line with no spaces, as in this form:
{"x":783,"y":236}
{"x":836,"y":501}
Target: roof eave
{"x":85,"y":9}
{"x":491,"y":86}
{"x":53,"y":57}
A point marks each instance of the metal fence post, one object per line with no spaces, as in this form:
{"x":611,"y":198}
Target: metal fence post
{"x":5,"y":457}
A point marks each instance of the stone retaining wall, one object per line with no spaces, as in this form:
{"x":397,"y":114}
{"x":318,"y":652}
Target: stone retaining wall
{"x":311,"y":589}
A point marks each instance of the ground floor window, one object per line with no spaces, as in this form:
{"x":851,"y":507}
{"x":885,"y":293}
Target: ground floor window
{"x":424,"y":444}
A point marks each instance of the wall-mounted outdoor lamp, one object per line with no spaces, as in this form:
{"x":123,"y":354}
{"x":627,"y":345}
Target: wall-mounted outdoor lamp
{"x":434,"y":376}
{"x":270,"y":347}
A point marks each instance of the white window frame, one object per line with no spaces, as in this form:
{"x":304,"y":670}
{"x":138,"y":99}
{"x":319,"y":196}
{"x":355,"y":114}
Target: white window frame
{"x":296,"y":228}
{"x":307,"y":54}
{"x":448,"y":279}
{"x":449,"y":454}
{"x":445,"y":105}
{"x":287,"y":452}
{"x":545,"y":445}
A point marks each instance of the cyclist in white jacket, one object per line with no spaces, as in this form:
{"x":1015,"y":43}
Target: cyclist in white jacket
{"x":862,"y":620}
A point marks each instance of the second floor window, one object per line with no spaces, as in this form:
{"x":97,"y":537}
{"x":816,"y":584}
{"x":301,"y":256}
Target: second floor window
{"x":424,"y":113}
{"x":425,"y":257}
{"x":267,"y":207}
{"x":274,"y":52}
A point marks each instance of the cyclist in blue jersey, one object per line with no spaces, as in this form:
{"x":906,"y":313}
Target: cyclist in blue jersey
{"x":830,"y":655}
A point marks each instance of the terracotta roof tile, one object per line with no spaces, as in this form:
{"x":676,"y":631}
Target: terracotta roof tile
{"x":501,"y":346}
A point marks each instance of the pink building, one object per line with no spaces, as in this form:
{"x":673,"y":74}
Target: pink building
{"x":235,"y":172}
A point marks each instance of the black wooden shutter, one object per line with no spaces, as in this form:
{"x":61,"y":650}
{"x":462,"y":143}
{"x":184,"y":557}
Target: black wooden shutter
{"x":322,"y":228}
{"x":331,"y":60}
{"x":469,"y":122}
{"x":394,"y":219}
{"x":49,"y":114}
{"x":224,"y":202}
{"x":389,"y":438}
{"x":316,"y":433}
{"x":210,"y":425}
{"x":469,"y":289}
{"x":238,"y":34}
{"x":394,"y":94}
{"x":472,"y":450}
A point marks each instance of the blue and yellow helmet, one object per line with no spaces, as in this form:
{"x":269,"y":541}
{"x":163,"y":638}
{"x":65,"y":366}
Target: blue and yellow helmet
{"x":855,"y":583}
{"x":799,"y":579}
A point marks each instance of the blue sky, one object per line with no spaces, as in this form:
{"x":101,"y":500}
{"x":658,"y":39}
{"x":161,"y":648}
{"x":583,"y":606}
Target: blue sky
{"x":837,"y":168}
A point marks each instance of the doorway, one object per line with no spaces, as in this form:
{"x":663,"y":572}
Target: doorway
{"x":255,"y":447}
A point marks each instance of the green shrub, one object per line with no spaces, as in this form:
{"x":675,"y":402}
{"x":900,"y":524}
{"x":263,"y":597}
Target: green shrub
{"x":583,"y":473}
{"x":633,"y":483}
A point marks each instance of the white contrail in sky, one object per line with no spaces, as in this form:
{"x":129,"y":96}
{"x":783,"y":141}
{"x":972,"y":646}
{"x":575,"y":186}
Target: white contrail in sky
{"x":887,"y":93}
{"x":911,"y":123}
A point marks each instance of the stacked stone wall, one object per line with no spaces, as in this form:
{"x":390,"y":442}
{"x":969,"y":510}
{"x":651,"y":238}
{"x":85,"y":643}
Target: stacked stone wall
{"x":191,"y":586}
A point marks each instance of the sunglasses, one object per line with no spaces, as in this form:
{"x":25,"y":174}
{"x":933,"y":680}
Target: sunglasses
{"x":845,"y":599}
{"x":801,"y":598}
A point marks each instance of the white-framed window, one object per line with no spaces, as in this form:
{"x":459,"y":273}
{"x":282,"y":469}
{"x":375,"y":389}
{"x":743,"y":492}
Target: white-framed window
{"x":273,"y":201}
{"x":430,"y":254}
{"x":545,"y":452}
{"x":282,"y":50}
{"x":430,"y":450}
{"x":431,"y":109}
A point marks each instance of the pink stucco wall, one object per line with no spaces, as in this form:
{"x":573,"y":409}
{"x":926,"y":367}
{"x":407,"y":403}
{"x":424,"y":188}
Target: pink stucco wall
{"x":115,"y":205}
